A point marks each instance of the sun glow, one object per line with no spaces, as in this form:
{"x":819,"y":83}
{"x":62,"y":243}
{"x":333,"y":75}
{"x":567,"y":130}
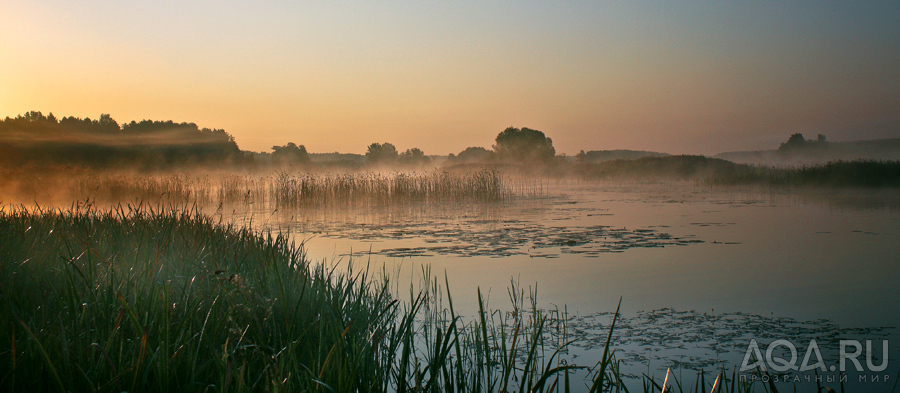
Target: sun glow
{"x":445,"y":77}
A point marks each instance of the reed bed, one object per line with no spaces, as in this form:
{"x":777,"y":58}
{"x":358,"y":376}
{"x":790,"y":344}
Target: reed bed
{"x":284,"y":189}
{"x":311,"y":189}
{"x":174,"y":188}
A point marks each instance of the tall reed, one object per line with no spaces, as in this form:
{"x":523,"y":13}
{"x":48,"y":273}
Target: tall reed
{"x":281,"y":189}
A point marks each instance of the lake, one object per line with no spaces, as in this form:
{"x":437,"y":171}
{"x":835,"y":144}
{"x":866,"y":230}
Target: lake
{"x":700,"y":270}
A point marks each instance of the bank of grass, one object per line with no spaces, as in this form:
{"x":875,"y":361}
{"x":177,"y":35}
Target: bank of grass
{"x":144,"y":300}
{"x":137,"y":299}
{"x":717,"y":171}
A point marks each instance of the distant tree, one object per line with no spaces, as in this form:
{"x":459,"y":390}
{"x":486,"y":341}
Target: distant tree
{"x":107,"y":124}
{"x":414,"y":157}
{"x":381,"y":153}
{"x":290,"y":154}
{"x":795,"y":142}
{"x":474,"y":154}
{"x":44,"y":140}
{"x":525,"y":145}
{"x":35,"y":116}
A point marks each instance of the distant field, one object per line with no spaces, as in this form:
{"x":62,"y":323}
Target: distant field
{"x":873,"y":150}
{"x":718,"y":171}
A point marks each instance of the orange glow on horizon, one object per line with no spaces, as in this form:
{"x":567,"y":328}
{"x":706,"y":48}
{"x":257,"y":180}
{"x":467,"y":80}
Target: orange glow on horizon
{"x":443,"y":78}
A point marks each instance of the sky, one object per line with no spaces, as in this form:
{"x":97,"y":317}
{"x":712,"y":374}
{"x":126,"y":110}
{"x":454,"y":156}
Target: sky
{"x":686,"y":77}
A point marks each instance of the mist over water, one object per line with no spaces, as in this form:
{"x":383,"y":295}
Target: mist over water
{"x":701,"y":269}
{"x":722,"y":173}
{"x":746,"y":263}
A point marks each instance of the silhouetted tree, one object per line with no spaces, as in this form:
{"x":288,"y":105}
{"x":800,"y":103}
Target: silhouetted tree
{"x":797,"y":143}
{"x":43,"y":140}
{"x":107,"y":124}
{"x":473,"y":154}
{"x":414,"y":157}
{"x":290,"y":154}
{"x":381,"y":153}
{"x":524,"y":145}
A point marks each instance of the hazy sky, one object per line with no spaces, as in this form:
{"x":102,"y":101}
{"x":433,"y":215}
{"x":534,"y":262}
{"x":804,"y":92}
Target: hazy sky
{"x":679,"y":77}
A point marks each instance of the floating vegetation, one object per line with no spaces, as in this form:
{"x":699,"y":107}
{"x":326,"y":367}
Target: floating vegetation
{"x":669,"y":338}
{"x":499,"y":238}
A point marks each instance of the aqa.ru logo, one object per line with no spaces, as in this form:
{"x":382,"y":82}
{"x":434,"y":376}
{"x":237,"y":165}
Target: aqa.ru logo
{"x":850,"y":351}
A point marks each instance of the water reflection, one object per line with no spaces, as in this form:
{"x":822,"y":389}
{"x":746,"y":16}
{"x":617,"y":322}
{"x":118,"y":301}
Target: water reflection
{"x":773,"y":263}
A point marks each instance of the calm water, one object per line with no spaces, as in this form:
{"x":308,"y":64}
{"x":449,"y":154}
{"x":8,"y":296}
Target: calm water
{"x":700,"y":270}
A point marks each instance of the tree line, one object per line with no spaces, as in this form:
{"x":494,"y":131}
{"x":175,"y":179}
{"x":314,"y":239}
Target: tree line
{"x":511,"y":145}
{"x":35,"y":139}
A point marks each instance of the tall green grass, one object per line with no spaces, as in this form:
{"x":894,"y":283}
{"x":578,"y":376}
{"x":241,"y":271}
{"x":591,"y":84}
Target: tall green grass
{"x":137,"y":299}
{"x":143,"y":300}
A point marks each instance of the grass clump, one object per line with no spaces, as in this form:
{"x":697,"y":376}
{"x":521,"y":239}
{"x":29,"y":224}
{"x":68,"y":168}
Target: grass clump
{"x":143,"y":300}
